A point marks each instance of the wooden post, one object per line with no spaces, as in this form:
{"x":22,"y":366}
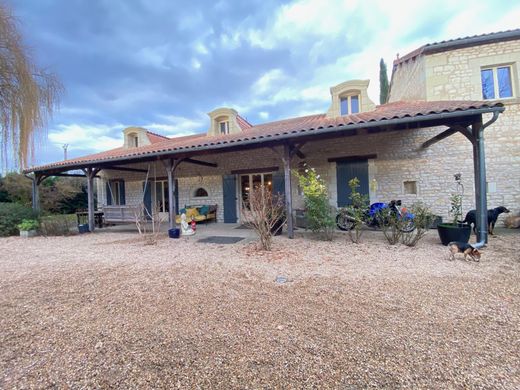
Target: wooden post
{"x":287,"y":154}
{"x":171,"y":165}
{"x":90,"y":198}
{"x":35,"y":193}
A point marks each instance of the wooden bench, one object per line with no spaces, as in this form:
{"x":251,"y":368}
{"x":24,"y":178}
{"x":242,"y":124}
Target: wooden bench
{"x":123,"y":214}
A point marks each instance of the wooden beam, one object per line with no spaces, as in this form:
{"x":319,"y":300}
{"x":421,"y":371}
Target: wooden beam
{"x":124,"y":169}
{"x":199,"y":162}
{"x":352,"y":158}
{"x":254,"y":170}
{"x":288,"y":189}
{"x":445,"y":134}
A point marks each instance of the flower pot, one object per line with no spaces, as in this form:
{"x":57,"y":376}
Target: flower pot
{"x":28,"y":233}
{"x":83,"y":228}
{"x":449,"y":232}
{"x":174,"y":233}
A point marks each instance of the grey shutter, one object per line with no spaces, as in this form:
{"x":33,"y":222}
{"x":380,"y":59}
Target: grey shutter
{"x":122,"y":197}
{"x":147,"y":198}
{"x":109,"y":193}
{"x":229,"y":186}
{"x":347,"y":170}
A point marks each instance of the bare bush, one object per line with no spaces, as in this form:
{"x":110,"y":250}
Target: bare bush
{"x":148,"y":224}
{"x":265,"y":213}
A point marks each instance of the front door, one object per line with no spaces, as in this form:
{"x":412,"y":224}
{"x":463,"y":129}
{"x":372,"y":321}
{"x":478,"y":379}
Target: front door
{"x":347,"y":170}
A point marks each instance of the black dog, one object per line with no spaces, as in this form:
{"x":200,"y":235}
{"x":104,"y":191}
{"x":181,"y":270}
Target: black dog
{"x":471,"y":218}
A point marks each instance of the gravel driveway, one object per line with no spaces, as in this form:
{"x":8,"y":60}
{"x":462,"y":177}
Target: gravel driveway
{"x":104,"y":310}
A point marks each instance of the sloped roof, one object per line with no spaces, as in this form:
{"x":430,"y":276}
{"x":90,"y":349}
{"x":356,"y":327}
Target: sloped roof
{"x":458,"y":43}
{"x":283,"y":129}
{"x":154,"y":137}
{"x":243,"y":123}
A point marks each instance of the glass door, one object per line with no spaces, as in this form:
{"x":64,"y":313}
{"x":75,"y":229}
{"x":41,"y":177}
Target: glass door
{"x":160,"y":197}
{"x":254,"y":180}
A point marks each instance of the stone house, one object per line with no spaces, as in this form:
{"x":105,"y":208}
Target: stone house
{"x":436,"y":87}
{"x":481,"y":67}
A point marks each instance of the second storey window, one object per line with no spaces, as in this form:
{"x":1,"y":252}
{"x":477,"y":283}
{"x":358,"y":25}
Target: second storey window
{"x":224,"y":127}
{"x":496,"y":82}
{"x":349,"y":105}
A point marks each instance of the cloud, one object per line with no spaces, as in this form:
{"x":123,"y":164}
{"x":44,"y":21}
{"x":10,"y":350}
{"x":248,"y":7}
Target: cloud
{"x":81,"y":137}
{"x":163,"y":66}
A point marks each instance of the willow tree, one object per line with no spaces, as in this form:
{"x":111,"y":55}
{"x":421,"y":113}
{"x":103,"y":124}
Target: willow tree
{"x":28,"y":95}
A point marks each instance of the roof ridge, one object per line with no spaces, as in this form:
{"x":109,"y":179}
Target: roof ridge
{"x":451,"y":44}
{"x":156,"y":134}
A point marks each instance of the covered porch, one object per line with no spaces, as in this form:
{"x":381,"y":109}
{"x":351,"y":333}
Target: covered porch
{"x":273,"y":152}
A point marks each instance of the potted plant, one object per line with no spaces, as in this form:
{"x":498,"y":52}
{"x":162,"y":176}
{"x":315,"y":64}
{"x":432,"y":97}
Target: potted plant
{"x":455,"y":230}
{"x":28,"y":228}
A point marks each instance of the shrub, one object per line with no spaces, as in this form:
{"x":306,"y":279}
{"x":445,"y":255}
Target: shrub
{"x":423,"y":219}
{"x":391,"y":225}
{"x":356,"y":210}
{"x":11,"y":215}
{"x":265,"y":213}
{"x":320,"y":215}
{"x":56,"y":225}
{"x":28,"y":224}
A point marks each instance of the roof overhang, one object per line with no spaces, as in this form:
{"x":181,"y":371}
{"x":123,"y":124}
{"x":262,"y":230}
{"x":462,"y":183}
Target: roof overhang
{"x":462,"y":117}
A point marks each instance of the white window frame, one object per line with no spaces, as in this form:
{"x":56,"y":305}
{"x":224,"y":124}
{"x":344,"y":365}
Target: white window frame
{"x":226,"y":127}
{"x":115,"y":192}
{"x":348,"y":98}
{"x":494,"y":70}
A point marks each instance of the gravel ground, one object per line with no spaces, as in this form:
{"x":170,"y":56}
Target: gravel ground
{"x":106,"y":311}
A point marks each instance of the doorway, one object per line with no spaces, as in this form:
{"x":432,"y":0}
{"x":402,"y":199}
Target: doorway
{"x":347,"y":170}
{"x":254,"y":180}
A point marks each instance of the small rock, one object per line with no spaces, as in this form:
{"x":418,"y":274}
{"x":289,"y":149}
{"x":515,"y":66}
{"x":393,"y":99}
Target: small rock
{"x":281,"y":279}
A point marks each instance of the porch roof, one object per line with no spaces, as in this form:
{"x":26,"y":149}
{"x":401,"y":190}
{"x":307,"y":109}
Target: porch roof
{"x":392,"y":116}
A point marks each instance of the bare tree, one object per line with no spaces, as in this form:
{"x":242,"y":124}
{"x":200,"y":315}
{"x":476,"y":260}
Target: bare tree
{"x":143,"y":217}
{"x":265,"y":213}
{"x":28,"y":95}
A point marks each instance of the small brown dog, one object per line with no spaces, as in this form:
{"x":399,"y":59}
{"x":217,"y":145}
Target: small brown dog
{"x":462,"y":247}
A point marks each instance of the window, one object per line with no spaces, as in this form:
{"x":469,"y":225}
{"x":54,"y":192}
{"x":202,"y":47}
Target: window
{"x":496,"y":82}
{"x":224,"y":127}
{"x":200,"y":193}
{"x":133,"y":140}
{"x":160,"y":196}
{"x":115,"y":189}
{"x":410,"y":187}
{"x":349,"y":105}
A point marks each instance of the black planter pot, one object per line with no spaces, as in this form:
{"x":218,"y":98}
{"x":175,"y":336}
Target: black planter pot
{"x":449,"y":232}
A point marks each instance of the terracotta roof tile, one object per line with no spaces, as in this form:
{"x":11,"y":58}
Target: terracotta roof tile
{"x":243,"y":123}
{"x":154,"y":137}
{"x":307,"y":124}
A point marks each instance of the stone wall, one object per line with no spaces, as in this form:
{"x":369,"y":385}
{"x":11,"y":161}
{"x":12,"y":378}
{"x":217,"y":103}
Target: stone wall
{"x":455,"y":75}
{"x":399,"y":159}
{"x":408,"y":81}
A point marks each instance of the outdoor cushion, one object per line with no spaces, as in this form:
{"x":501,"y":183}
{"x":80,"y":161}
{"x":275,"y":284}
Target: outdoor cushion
{"x":191,"y":213}
{"x":203,"y":210}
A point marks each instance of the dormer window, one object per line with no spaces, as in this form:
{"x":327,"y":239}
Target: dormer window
{"x":224,"y":127}
{"x":132,"y":140}
{"x":349,"y":105}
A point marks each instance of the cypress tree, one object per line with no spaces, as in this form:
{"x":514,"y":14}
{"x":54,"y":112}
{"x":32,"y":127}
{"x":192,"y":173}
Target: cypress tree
{"x":383,"y":83}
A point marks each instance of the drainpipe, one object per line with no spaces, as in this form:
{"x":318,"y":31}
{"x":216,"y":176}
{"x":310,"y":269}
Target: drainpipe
{"x":479,"y":160}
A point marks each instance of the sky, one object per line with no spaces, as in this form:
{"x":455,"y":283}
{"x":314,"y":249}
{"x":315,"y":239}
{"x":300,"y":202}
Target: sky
{"x":164,"y":64}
